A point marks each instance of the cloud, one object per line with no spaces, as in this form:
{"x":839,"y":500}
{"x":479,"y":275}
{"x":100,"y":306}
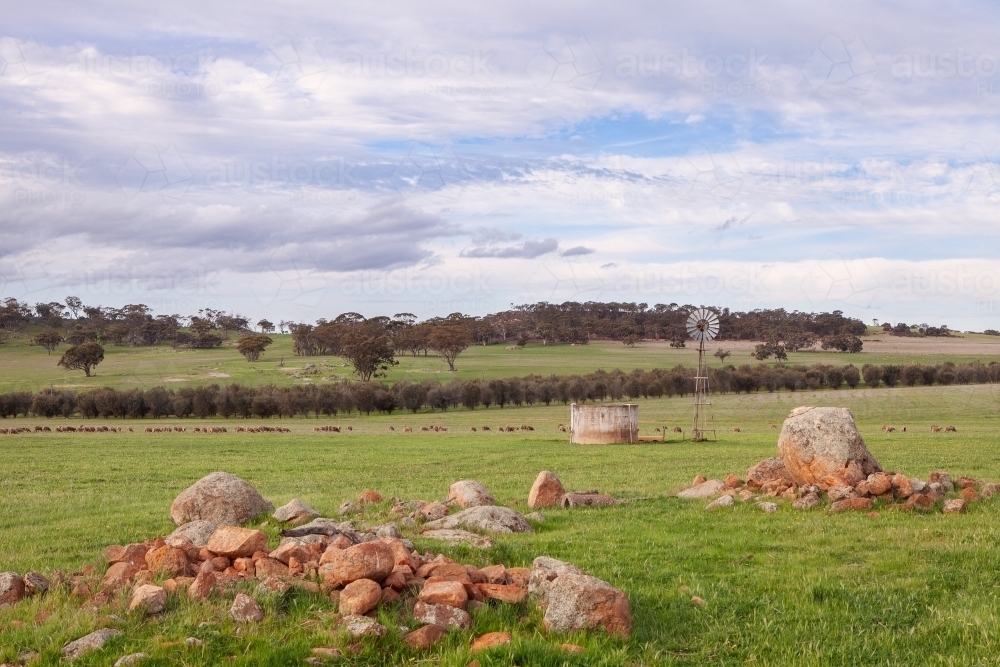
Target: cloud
{"x":576,"y":251}
{"x":526,"y":250}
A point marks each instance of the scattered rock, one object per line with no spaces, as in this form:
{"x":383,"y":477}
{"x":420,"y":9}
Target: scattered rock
{"x":35,"y":583}
{"x":434,"y":511}
{"x":486,"y":518}
{"x":469,"y":493}
{"x":451,"y":593}
{"x":425,"y":637}
{"x":246,"y":610}
{"x":235,"y":542}
{"x":879,"y":483}
{"x":954,"y":506}
{"x":92,"y":642}
{"x":202,"y":586}
{"x":359,"y":597}
{"x":733,"y":482}
{"x":149,"y":600}
{"x":572,"y":648}
{"x":442,"y":614}
{"x":362,"y":626}
{"x":535,"y":516}
{"x":768,"y":470}
{"x":193,"y":642}
{"x":348,"y":507}
{"x":822,"y":446}
{"x":489,"y":640}
{"x":769,"y":508}
{"x":544,"y":571}
{"x":836,"y":493}
{"x":168,"y":561}
{"x":11,"y":588}
{"x":369,"y":497}
{"x":507,"y":593}
{"x":220,"y":497}
{"x":547,"y":491}
{"x":806,"y":502}
{"x":944,"y":479}
{"x":369,"y":560}
{"x":697,"y":601}
{"x":587,"y":500}
{"x":745,"y":495}
{"x":704,"y":490}
{"x":455,"y":536}
{"x":849,"y":504}
{"x":720,"y":502}
{"x":118,"y":575}
{"x":296,"y":511}
{"x":130,"y":659}
{"x":582,"y":602}
{"x":319,"y":526}
{"x":199,"y":532}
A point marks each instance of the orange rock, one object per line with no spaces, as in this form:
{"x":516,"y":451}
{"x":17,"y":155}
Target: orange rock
{"x":389,"y":596}
{"x":495,"y":574}
{"x":341,"y":542}
{"x":396,"y":580}
{"x":167,"y":560}
{"x":519,"y":575}
{"x":369,"y":496}
{"x":236,"y":542}
{"x":491,"y":639}
{"x":879,"y":483}
{"x":425,"y":637}
{"x":733,"y":482}
{"x":359,"y":597}
{"x":268,"y":567}
{"x":202,"y":586}
{"x":698,"y":480}
{"x":547,"y":491}
{"x":368,"y":560}
{"x":329,"y":555}
{"x":969,"y":494}
{"x":451,"y":593}
{"x":148,"y":599}
{"x":119,"y":574}
{"x":242,"y":565}
{"x":510,"y":594}
{"x":848,"y":504}
{"x":133,"y":554}
{"x":452,"y":572}
{"x":572,"y":648}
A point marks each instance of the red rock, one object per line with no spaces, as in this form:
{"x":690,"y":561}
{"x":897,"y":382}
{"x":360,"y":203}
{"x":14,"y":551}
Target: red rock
{"x":396,"y":580}
{"x":330,"y":554}
{"x":118,"y":575}
{"x":441,"y":614}
{"x":148,"y":599}
{"x":242,"y":565}
{"x":133,"y":554}
{"x":170,"y":586}
{"x":733,"y":482}
{"x":452,"y":572}
{"x":451,"y":593}
{"x":848,"y":504}
{"x":821,"y":446}
{"x":902,"y":486}
{"x":341,"y":542}
{"x":11,"y":588}
{"x":519,"y":575}
{"x":581,"y":602}
{"x":167,"y":560}
{"x":768,"y":470}
{"x":389,"y":596}
{"x":291,"y":548}
{"x":495,"y":574}
{"x":236,"y":542}
{"x":699,"y":480}
{"x":879,"y":483}
{"x":510,"y":594}
{"x":359,"y":597}
{"x":969,"y":493}
{"x":425,"y":637}
{"x":219,"y":563}
{"x":369,"y":496}
{"x":491,"y":639}
{"x":368,"y":560}
{"x":268,"y":567}
{"x":547,"y":491}
{"x":202,"y":586}
{"x":969,"y":482}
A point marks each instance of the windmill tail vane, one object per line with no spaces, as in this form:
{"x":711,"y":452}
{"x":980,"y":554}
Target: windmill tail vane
{"x":702,"y":325}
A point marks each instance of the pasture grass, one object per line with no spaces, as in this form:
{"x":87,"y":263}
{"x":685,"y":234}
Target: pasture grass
{"x":791,"y":588}
{"x":29,"y":368}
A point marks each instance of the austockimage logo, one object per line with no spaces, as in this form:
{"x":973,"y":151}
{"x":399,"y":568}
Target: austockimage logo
{"x":562,"y":62}
{"x":429,"y":170}
{"x":701,"y":171}
{"x":836,"y":64}
{"x":150,"y":170}
{"x":291,"y":279}
{"x":23,"y":62}
{"x":834,"y":282}
{"x":295,"y":63}
{"x":976,"y":175}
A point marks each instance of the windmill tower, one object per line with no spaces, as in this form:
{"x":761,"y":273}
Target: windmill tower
{"x":702,"y":325}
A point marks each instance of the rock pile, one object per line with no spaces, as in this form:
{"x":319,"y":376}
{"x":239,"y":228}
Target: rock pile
{"x":822,"y":456}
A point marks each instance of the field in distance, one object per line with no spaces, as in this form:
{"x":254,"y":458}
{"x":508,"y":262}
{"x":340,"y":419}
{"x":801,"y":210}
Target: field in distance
{"x":29,"y":368}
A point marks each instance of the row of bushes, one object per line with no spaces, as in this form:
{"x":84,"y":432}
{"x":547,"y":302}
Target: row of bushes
{"x":346,"y":397}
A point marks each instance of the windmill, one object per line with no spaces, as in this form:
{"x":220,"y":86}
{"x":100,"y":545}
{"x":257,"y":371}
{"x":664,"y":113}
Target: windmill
{"x":702,"y":325}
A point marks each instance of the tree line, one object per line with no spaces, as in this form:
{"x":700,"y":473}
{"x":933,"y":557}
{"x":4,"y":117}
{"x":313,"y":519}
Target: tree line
{"x":347,"y":397}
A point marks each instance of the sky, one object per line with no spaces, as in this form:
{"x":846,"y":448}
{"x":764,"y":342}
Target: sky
{"x":297,"y":160}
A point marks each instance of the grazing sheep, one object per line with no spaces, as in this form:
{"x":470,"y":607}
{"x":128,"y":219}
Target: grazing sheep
{"x":407,"y":429}
{"x":890,"y":429}
{"x":736,"y":429}
{"x":473,"y":429}
{"x":936,"y":429}
{"x":774,"y":426}
{"x":951,"y":429}
{"x":424,"y":428}
{"x":486,"y":428}
{"x":392,"y":428}
{"x":562,"y":428}
{"x":678,"y":429}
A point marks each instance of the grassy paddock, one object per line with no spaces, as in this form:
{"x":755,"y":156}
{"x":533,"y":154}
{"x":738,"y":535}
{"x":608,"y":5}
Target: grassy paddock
{"x":788,"y":588}
{"x":29,"y":368}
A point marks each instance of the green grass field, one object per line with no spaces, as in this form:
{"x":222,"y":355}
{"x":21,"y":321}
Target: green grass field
{"x":791,"y":588}
{"x":29,"y":368}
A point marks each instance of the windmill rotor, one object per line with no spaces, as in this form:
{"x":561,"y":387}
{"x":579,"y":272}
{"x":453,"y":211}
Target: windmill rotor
{"x":703,"y":325}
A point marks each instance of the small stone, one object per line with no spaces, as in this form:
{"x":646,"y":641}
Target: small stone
{"x":295,"y":511}
{"x":537,"y":517}
{"x":697,"y":601}
{"x":745,"y":495}
{"x":92,"y":642}
{"x":369,"y":497}
{"x":349,"y":507}
{"x":733,"y":481}
{"x":359,"y":597}
{"x":879,"y":483}
{"x":35,"y":583}
{"x":327,"y":652}
{"x":425,"y":637}
{"x":130,"y":659}
{"x":269,"y":567}
{"x":369,"y":560}
{"x":442,"y":614}
{"x":698,"y":480}
{"x":246,"y":610}
{"x":236,"y":542}
{"x":849,"y":504}
{"x":489,"y":640}
{"x":572,"y":648}
{"x":806,"y":502}
{"x":202,"y":586}
{"x":362,"y":626}
{"x":451,"y":593}
{"x":720,"y":502}
{"x":149,"y":599}
{"x":836,"y":493}
{"x":434,"y":511}
{"x":169,"y":561}
{"x":954,"y":506}
{"x":704,"y":490}
{"x":969,"y":494}
{"x":193,"y":642}
{"x":469,"y":493}
{"x":12,"y":588}
{"x":769,"y":508}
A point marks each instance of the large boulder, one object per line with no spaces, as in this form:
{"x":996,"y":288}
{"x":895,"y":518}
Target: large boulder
{"x":768,"y":470}
{"x":547,"y":491}
{"x":220,"y":497}
{"x":490,"y":519}
{"x":822,"y":447}
{"x":580,"y":602}
{"x":469,"y":493}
